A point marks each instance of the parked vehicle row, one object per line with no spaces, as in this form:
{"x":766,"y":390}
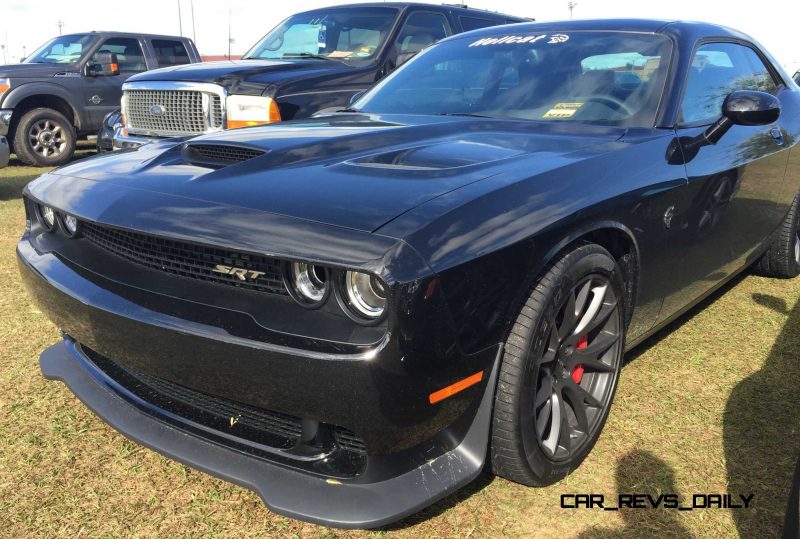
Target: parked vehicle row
{"x":354,"y":314}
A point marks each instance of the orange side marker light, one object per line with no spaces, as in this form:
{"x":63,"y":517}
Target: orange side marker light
{"x":452,"y":389}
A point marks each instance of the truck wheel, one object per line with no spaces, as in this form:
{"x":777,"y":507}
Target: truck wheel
{"x":44,"y":138}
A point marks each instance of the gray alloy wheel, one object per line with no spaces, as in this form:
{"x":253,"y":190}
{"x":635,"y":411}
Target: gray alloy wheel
{"x":47,"y":138}
{"x":576,"y":370}
{"x":560,"y":367}
{"x":44,"y":137}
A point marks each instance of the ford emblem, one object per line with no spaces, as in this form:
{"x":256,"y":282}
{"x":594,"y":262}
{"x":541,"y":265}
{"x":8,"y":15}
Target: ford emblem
{"x":157,"y":110}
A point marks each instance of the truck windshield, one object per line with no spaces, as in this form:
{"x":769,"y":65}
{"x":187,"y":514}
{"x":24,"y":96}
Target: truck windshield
{"x":62,"y":50}
{"x":610,"y":78}
{"x":351,"y":33}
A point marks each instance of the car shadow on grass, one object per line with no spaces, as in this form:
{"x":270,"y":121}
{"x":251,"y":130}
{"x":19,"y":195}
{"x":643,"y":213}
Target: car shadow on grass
{"x":761,"y":430}
{"x":642,"y":472}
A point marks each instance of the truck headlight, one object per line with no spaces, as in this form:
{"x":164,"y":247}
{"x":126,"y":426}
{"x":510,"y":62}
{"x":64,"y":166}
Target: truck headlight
{"x":5,"y":85}
{"x":248,"y":110}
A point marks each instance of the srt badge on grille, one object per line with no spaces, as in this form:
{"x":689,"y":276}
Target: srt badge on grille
{"x":241,"y":273}
{"x":157,"y":110}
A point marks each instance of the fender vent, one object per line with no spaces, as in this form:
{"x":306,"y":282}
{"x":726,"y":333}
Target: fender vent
{"x":218,"y":155}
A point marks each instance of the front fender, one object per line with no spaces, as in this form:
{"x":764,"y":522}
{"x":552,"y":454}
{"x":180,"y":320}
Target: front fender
{"x":46,"y":88}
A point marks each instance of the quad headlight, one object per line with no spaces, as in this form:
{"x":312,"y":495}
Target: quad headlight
{"x":70,"y":223}
{"x":47,"y":216}
{"x":364,"y":295}
{"x":308,"y":284}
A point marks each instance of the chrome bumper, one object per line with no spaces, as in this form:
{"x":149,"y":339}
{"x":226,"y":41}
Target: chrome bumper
{"x":5,"y":121}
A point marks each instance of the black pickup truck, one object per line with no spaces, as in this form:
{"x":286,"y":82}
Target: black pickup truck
{"x":64,"y":90}
{"x":312,"y":61}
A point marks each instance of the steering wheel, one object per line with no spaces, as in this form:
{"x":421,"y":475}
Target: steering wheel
{"x":614,"y":103}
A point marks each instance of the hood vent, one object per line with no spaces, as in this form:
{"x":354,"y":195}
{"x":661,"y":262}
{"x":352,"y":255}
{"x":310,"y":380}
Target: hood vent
{"x":218,"y":155}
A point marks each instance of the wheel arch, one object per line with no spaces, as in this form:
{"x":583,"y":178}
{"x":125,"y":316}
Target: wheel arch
{"x":618,"y":240}
{"x":35,"y":95}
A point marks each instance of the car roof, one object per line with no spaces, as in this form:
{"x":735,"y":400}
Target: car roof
{"x":687,"y":29}
{"x":125,"y":34}
{"x":460,"y":9}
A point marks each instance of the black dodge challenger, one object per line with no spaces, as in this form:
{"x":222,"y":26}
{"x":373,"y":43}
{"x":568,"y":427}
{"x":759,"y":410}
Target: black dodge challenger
{"x":354,"y":314}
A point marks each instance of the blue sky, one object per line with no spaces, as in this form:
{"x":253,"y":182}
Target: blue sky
{"x":23,"y":23}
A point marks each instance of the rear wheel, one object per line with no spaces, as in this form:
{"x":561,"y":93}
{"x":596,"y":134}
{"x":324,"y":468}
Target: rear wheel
{"x":44,"y":138}
{"x":782,"y":259}
{"x":560,"y":369}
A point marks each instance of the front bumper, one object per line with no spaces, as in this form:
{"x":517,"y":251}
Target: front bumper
{"x":4,"y":152}
{"x":285,"y":491}
{"x":5,"y":122}
{"x":124,"y":141}
{"x":415,"y":453}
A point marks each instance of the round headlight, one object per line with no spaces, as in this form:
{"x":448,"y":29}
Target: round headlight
{"x":309,"y":284}
{"x":70,"y":223}
{"x":365,"y":294}
{"x":48,"y":216}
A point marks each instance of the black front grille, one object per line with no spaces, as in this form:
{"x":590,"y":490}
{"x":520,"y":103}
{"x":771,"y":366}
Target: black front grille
{"x":271,"y":428}
{"x":347,"y":439}
{"x":190,"y":260}
{"x":219,"y":154}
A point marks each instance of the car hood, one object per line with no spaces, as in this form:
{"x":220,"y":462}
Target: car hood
{"x":36,"y":70}
{"x":237,"y":72}
{"x":351,"y":171}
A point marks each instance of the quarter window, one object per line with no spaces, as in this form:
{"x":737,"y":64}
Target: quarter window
{"x":717,"y":70}
{"x":128,"y":51}
{"x":170,"y":52}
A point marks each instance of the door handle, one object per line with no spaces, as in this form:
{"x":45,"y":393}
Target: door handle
{"x":777,"y":135}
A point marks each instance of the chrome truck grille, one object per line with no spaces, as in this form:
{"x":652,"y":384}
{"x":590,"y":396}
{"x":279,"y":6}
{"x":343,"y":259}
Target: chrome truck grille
{"x":172,"y":109}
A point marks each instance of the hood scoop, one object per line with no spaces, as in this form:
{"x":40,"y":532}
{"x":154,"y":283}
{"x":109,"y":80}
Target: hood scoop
{"x":218,"y":155}
{"x":445,"y":155}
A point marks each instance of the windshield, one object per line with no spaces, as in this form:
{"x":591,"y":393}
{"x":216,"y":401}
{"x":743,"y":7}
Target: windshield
{"x":341,"y":33}
{"x":62,"y":50}
{"x":596,"y":77}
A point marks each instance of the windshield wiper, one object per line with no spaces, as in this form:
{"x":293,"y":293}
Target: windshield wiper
{"x":468,"y":114}
{"x":308,"y":55}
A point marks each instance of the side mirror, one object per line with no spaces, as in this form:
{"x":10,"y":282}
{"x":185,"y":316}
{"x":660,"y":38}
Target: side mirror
{"x":744,"y":107}
{"x":104,"y":64}
{"x":356,"y":96}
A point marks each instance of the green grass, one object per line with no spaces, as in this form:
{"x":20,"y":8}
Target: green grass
{"x":708,"y":406}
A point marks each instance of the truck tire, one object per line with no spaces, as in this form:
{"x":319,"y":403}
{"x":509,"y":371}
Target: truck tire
{"x":44,"y":138}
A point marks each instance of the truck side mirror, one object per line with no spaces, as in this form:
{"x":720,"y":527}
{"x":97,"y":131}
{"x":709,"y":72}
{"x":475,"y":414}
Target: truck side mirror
{"x":104,"y":64}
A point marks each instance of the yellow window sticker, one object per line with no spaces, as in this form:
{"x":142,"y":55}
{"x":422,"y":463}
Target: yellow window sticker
{"x":562,"y":110}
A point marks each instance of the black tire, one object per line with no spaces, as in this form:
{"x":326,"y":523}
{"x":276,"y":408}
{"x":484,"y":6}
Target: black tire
{"x":44,"y":138}
{"x":534,"y":378}
{"x":782,"y":259}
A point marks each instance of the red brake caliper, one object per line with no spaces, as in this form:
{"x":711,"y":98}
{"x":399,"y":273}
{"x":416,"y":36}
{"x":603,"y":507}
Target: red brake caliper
{"x":577,"y":372}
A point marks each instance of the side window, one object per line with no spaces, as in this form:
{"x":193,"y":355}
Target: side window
{"x":473,"y":23}
{"x":717,"y":70}
{"x":420,"y":30}
{"x":170,"y":52}
{"x":128,"y":51}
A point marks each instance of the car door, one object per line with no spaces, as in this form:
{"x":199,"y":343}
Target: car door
{"x":734,"y":199}
{"x":103,"y":94}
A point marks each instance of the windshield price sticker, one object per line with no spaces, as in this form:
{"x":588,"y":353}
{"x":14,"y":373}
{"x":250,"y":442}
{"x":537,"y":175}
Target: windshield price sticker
{"x":563,"y":110}
{"x":519,"y":40}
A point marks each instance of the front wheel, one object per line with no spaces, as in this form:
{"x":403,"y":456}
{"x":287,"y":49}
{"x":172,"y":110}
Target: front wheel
{"x":560,"y":369}
{"x":44,"y":138}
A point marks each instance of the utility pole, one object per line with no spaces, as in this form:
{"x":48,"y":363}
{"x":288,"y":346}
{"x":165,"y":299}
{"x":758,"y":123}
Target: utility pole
{"x":5,"y":59}
{"x":571,"y":6}
{"x":180,"y":19}
{"x":60,"y":24}
{"x":194,"y":35}
{"x":230,"y":40}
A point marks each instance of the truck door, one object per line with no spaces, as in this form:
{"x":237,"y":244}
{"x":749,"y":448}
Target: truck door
{"x":103,"y":94}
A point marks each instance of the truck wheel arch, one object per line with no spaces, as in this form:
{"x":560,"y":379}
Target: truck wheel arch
{"x":41,"y":94}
